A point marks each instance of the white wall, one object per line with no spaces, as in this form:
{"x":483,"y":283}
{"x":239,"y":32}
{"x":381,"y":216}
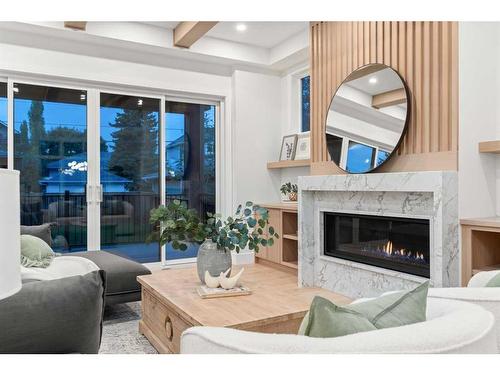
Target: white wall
{"x":479,"y":114}
{"x":256,"y":135}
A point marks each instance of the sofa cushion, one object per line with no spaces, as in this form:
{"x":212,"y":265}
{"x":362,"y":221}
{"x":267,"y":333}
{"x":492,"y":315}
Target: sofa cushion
{"x":121,"y":272}
{"x":326,"y":319}
{"x":494,"y":281}
{"x":395,"y":309}
{"x":56,"y":316}
{"x":43,"y":231}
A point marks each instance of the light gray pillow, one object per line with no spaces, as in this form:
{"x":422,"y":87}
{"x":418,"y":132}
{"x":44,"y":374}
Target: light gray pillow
{"x":35,"y":252}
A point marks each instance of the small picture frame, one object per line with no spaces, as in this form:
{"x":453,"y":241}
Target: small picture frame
{"x":288,"y":146}
{"x":303,"y":148}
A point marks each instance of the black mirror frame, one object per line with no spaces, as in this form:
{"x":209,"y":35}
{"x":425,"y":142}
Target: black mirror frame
{"x":407,"y":121}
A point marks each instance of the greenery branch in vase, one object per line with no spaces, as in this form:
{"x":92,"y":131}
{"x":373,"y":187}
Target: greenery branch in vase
{"x":289,"y":190}
{"x":249,"y":227}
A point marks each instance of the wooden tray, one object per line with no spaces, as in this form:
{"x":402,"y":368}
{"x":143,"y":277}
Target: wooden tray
{"x":206,"y":292}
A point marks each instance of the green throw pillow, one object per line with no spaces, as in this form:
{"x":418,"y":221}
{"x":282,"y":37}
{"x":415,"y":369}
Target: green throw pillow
{"x":494,"y":282}
{"x":35,"y":252}
{"x":325,"y":319}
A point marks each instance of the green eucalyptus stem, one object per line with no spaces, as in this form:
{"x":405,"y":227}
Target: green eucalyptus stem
{"x":248,"y":227}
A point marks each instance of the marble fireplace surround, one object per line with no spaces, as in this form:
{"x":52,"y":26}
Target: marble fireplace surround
{"x":430,"y":195}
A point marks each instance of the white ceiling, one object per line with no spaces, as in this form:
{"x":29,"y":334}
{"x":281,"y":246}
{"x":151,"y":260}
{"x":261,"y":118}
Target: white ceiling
{"x":260,"y":34}
{"x":387,"y":80}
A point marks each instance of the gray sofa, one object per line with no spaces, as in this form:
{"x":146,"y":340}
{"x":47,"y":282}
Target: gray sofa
{"x":121,"y":275}
{"x":121,"y":272}
{"x":56,"y":316}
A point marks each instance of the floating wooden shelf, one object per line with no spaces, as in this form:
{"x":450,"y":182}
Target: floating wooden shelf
{"x":493,"y":267}
{"x":288,"y":164}
{"x":491,"y":147}
{"x":292,"y":237}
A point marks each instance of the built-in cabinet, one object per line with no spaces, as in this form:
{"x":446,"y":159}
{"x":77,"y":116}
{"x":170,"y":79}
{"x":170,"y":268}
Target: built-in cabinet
{"x":284,"y":252}
{"x":480,"y":251}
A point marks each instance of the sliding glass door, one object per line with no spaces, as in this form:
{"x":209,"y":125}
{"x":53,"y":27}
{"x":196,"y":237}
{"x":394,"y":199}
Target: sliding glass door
{"x":50,"y":151}
{"x":190,"y":160}
{"x":94,"y":164}
{"x":3,"y":125}
{"x":129,"y":163}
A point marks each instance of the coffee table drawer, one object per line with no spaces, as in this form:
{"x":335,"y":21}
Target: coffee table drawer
{"x":165,"y":323}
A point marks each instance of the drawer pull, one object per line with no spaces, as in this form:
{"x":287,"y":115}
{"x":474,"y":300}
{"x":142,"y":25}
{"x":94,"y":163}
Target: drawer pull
{"x":168,"y":328}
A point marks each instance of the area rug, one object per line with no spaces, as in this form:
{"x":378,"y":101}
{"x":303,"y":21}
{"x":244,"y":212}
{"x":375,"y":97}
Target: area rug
{"x":121,"y":333}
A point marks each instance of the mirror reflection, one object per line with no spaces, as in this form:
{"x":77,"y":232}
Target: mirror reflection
{"x":367,"y":118}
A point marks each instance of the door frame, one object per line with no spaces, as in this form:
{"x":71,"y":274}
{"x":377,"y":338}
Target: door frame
{"x":223,"y":139}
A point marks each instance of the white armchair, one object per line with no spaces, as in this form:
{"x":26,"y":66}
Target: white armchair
{"x":439,"y":334}
{"x":477,"y":293}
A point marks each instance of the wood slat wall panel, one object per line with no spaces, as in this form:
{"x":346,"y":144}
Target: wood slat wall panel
{"x":424,"y":53}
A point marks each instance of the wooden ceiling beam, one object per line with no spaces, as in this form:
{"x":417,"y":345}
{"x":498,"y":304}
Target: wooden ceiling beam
{"x":188,"y":32}
{"x":386,"y":99}
{"x":76,"y":25}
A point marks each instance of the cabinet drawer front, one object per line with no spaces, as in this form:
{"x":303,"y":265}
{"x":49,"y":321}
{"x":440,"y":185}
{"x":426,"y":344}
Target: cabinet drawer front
{"x":163,"y":321}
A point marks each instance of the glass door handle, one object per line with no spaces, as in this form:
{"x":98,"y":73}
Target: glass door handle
{"x":89,"y":194}
{"x":101,"y":193}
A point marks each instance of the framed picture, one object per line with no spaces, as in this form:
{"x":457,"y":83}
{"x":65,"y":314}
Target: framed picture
{"x":288,"y":147}
{"x":303,"y":148}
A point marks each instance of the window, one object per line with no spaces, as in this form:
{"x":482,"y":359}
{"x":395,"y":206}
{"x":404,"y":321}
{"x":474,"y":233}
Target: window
{"x":190,"y":160}
{"x":305,"y":103}
{"x":334,"y":145}
{"x":129,"y":167}
{"x":360,"y":157}
{"x":3,"y":125}
{"x":47,"y":122}
{"x":382,"y":156}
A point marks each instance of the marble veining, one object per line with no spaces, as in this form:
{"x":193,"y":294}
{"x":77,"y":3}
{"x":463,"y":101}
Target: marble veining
{"x":432,"y":195}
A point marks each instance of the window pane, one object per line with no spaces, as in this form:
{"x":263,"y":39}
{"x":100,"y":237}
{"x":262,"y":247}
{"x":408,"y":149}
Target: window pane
{"x":305,"y":103}
{"x":129,"y":174}
{"x":190,"y":160}
{"x":3,"y":125}
{"x":52,"y":183}
{"x":359,"y":157}
{"x":334,"y":145}
{"x":382,"y":156}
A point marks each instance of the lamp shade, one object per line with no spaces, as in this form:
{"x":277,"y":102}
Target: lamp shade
{"x":10,"y":234}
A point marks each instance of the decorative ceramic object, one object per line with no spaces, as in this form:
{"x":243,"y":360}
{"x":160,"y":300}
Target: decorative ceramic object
{"x":212,"y":259}
{"x":230,"y":282}
{"x":211,"y":282}
{"x":214,"y":282}
{"x":292,"y":196}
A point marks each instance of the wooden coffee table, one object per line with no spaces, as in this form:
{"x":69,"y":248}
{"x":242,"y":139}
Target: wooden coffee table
{"x":171,"y":304}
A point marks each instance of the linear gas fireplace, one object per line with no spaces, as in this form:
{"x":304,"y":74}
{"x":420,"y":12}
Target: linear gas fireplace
{"x":396,"y":243}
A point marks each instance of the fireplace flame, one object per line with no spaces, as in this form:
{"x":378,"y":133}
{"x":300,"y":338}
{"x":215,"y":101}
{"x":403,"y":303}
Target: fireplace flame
{"x":388,"y":249}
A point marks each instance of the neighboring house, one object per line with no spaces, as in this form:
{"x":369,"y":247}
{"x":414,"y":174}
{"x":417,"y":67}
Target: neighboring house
{"x":70,"y":174}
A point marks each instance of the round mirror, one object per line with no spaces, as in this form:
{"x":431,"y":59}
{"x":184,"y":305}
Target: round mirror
{"x":367,"y":118}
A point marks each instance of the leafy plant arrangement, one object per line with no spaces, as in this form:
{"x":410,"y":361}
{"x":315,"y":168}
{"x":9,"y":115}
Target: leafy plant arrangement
{"x":180,"y":226}
{"x":289,"y":190}
{"x":249,"y":226}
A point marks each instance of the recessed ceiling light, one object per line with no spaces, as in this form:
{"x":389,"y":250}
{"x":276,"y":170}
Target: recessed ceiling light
{"x":83,"y":97}
{"x":139,"y":102}
{"x":241,"y":27}
{"x":373,"y":80}
{"x":15,"y":89}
